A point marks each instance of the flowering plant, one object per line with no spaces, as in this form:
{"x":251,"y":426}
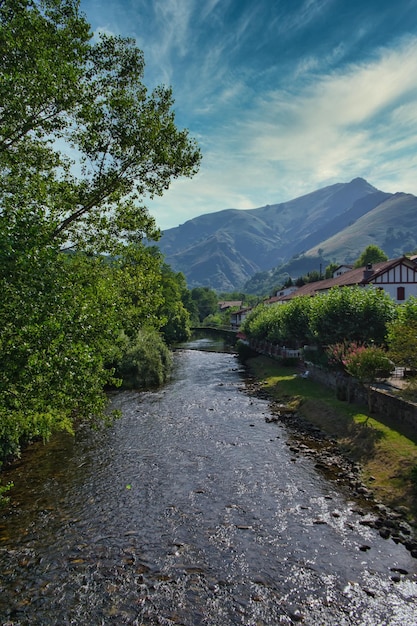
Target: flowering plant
{"x":340,"y":354}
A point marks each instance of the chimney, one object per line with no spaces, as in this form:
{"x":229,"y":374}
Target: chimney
{"x":367,"y":272}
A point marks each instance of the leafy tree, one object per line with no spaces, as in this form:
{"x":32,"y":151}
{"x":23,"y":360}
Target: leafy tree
{"x":232,"y":295}
{"x":137,"y":277}
{"x":330,"y":269}
{"x":262,"y":323}
{"x":371,"y":254}
{"x":295,"y":321}
{"x":82,"y":143}
{"x":206,"y":301}
{"x":367,"y":365}
{"x":402,"y":335}
{"x":351,"y":314}
{"x":145,"y":362}
{"x":341,"y":315}
{"x":176,"y":326}
{"x":60,"y":89}
{"x":313,"y":277}
{"x":402,"y":344}
{"x":59,"y":329}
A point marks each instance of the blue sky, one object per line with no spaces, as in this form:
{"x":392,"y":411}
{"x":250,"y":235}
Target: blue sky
{"x":283,"y":96}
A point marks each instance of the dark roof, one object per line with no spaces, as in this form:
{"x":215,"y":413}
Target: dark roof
{"x":228,"y":304}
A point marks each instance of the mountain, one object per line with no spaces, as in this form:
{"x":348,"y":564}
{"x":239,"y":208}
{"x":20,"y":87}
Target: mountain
{"x":225,"y":250}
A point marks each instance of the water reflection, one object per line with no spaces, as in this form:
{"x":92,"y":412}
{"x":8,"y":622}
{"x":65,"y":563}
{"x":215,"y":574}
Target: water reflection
{"x":192,"y":510}
{"x":214,"y":343}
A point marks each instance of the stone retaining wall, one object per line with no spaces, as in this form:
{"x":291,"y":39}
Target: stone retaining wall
{"x":381,"y":400}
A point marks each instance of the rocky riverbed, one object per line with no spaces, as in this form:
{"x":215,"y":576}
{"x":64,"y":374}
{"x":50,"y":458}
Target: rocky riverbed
{"x":309,"y":440}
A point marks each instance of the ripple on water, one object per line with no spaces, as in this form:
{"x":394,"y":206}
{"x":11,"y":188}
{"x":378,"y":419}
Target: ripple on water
{"x":192,"y":510}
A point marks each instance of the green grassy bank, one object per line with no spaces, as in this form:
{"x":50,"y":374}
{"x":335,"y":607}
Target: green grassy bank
{"x":386,"y":456}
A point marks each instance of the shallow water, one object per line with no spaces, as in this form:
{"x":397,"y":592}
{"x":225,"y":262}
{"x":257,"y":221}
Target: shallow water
{"x":192,"y":510}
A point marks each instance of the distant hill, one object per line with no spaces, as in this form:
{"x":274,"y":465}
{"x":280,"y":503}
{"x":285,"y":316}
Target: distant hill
{"x":250,"y":249}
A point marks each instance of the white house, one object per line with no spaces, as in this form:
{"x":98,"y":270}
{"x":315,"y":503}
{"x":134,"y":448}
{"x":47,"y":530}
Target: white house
{"x":398,"y":277}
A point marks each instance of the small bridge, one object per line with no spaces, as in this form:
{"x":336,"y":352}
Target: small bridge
{"x":224,"y":332}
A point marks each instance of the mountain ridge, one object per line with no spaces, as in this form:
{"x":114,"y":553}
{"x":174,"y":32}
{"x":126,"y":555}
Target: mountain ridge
{"x":224,"y":250}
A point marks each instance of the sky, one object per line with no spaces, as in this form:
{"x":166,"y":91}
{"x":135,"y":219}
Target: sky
{"x":282,"y":96}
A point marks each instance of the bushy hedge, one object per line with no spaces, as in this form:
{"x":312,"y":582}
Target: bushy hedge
{"x":342,"y":314}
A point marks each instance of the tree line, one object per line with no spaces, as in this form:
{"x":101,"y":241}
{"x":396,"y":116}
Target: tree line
{"x":361,"y":331}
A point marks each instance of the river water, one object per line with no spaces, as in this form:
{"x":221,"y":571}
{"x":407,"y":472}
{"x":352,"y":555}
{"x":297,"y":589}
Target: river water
{"x":191,"y":509}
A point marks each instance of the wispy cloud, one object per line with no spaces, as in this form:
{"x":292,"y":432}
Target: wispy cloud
{"x":339,"y":126}
{"x":289,"y":22}
{"x":282,"y":97}
{"x":332,"y":123}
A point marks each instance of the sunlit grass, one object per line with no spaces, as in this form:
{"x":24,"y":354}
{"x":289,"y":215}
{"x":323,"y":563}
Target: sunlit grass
{"x":386,"y":455}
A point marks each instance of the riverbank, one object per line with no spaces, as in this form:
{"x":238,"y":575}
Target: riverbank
{"x":361,"y":450}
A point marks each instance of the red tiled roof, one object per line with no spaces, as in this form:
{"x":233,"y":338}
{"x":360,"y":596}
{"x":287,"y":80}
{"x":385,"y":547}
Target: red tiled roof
{"x":347,"y":279}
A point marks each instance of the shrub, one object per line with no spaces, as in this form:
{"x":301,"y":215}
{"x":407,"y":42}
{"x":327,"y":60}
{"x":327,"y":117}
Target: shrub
{"x":339,"y":353}
{"x":146,"y":361}
{"x":244,"y":351}
{"x":368,"y":364}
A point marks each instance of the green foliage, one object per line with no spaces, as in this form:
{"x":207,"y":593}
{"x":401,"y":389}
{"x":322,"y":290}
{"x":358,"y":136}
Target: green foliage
{"x":280,"y":324}
{"x":402,"y":344}
{"x":220,"y":318}
{"x":371,"y":254}
{"x":176,"y":325}
{"x":245,"y":298}
{"x":262,"y":322}
{"x":59,"y":319}
{"x":402,"y":335}
{"x":244,"y":351}
{"x":407,"y":312}
{"x":59,"y":84}
{"x":295,"y":322}
{"x":368,"y":364}
{"x":206,"y":301}
{"x":4,"y":489}
{"x":146,"y":361}
{"x":330,"y":269}
{"x":351,"y":314}
{"x":341,"y":315}
{"x":65,"y":305}
{"x":217,"y":320}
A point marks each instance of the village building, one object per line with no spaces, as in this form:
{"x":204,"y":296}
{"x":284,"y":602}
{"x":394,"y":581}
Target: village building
{"x":237,"y":317}
{"x":397,"y":277}
{"x":225,"y":305}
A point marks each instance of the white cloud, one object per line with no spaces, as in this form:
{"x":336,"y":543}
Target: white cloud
{"x":335,"y":121}
{"x":339,"y":126}
{"x":265,"y":140}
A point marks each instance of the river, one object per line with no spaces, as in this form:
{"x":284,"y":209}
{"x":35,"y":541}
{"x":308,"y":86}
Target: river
{"x":191,"y":509}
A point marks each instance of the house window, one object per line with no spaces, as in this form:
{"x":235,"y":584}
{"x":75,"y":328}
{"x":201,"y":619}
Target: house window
{"x":400,"y":293}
